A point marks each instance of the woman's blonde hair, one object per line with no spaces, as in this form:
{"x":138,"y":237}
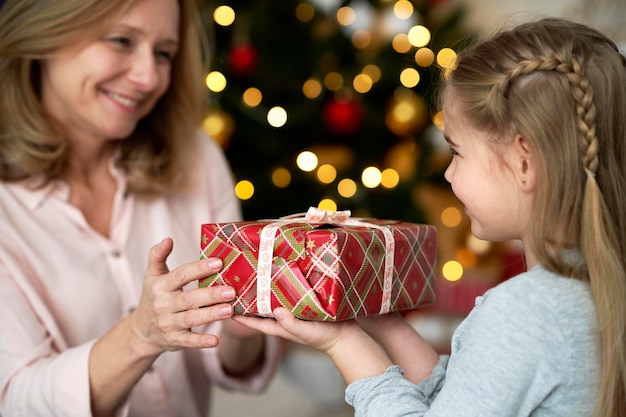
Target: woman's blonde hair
{"x":32,"y":146}
{"x":562,"y":86}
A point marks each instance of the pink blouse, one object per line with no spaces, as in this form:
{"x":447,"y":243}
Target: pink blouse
{"x":63,"y":285}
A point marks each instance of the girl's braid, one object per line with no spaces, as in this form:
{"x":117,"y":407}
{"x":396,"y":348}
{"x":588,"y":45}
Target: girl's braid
{"x":581,"y":91}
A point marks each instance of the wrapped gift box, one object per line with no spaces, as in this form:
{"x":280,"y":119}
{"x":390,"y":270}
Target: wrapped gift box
{"x":324,"y":266}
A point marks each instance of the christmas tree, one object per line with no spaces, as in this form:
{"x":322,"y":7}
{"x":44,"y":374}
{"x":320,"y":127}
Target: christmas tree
{"x":333,"y":104}
{"x":330,"y":103}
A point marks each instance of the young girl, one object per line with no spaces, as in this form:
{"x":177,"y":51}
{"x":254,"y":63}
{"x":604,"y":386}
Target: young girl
{"x":535,"y":119}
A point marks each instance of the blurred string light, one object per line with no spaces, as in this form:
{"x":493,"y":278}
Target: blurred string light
{"x":244,"y":190}
{"x":371,"y":177}
{"x":327,"y":204}
{"x":224,"y":15}
{"x":252,"y":97}
{"x":347,"y":188}
{"x":277,"y":116}
{"x":281,"y":177}
{"x":326,"y":173}
{"x":312,"y":88}
{"x":216,"y":81}
{"x":452,"y":271}
{"x":307,"y":161}
{"x":451,"y":217}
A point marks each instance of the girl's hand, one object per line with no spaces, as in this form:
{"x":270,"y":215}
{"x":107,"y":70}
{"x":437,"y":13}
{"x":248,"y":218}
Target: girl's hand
{"x":166,"y":314}
{"x":354,"y":353}
{"x":317,"y":334}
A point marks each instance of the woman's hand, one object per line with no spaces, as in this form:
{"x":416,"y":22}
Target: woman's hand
{"x":166,"y":314}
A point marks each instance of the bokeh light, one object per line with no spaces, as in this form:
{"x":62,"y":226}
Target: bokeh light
{"x":409,"y":77}
{"x":277,"y":116}
{"x":252,"y":97}
{"x":452,"y":271}
{"x":419,"y":36}
{"x":346,"y":188}
{"x":307,"y":161}
{"x":451,"y":217}
{"x":389,"y":178}
{"x":424,"y":57}
{"x":281,"y":177}
{"x":224,"y":15}
{"x":371,"y":177}
{"x":244,"y":190}
{"x":327,"y":204}
{"x":215,"y":81}
{"x":326,"y":173}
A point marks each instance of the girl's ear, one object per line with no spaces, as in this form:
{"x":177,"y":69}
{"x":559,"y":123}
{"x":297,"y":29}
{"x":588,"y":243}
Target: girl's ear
{"x":525,"y":167}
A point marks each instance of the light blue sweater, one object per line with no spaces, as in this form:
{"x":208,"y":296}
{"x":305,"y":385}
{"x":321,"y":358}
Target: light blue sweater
{"x":528,"y":348}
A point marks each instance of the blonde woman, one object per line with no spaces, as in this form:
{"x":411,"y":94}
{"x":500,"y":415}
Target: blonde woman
{"x":101,"y":159}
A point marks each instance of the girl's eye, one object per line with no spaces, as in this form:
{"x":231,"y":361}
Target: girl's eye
{"x":453,"y":152}
{"x":164,"y":55}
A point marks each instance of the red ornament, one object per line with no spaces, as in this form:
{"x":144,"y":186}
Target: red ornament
{"x":343,"y":117}
{"x":243,"y":59}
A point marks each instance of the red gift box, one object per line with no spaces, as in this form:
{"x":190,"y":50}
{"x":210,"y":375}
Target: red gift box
{"x":324,"y":266}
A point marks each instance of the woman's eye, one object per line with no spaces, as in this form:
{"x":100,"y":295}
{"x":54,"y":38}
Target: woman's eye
{"x":120,"y":40}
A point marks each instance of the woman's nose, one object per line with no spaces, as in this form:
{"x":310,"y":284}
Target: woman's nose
{"x":143,"y":72}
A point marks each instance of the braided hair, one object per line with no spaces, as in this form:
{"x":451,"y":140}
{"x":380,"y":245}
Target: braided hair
{"x":562,"y":86}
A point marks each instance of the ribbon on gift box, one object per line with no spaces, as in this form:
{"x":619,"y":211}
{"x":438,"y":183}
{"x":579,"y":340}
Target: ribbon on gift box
{"x":316,"y":216}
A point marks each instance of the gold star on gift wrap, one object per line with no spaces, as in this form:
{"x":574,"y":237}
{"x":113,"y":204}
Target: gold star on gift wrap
{"x":414,"y":285}
{"x":205,"y":239}
{"x":237,"y":278}
{"x":310,"y":244}
{"x":330,"y":299}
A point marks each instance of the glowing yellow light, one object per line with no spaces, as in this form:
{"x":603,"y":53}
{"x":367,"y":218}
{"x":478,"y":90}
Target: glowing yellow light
{"x":326,"y":173}
{"x":419,"y":36}
{"x":389,"y":178}
{"x":400,"y":43}
{"x":333,"y":81}
{"x":346,"y":188}
{"x":451,"y":217}
{"x":277,"y":116}
{"x":361,"y":39}
{"x":438,"y":120}
{"x":424,"y":57}
{"x":312,"y":88}
{"x":403,"y":9}
{"x":216,"y":81}
{"x":224,"y":16}
{"x":409,"y":77}
{"x":362,"y":83}
{"x":244,"y":190}
{"x":452,"y":271}
{"x":372,"y":71}
{"x":252,"y":97}
{"x":327,"y":204}
{"x":307,"y":161}
{"x":305,"y":12}
{"x":281,"y":177}
{"x":371,"y":177}
{"x":476,"y":245}
{"x":346,"y":16}
{"x":446,"y":58}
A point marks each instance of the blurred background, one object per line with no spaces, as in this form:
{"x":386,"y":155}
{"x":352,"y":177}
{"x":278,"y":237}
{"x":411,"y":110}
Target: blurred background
{"x":333,"y":104}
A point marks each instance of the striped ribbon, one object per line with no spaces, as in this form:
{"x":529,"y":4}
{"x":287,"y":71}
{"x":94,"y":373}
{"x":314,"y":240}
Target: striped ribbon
{"x":316,"y":216}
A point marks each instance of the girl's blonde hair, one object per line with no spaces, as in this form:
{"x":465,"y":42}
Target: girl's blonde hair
{"x":562,"y":86}
{"x":32,"y":146}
